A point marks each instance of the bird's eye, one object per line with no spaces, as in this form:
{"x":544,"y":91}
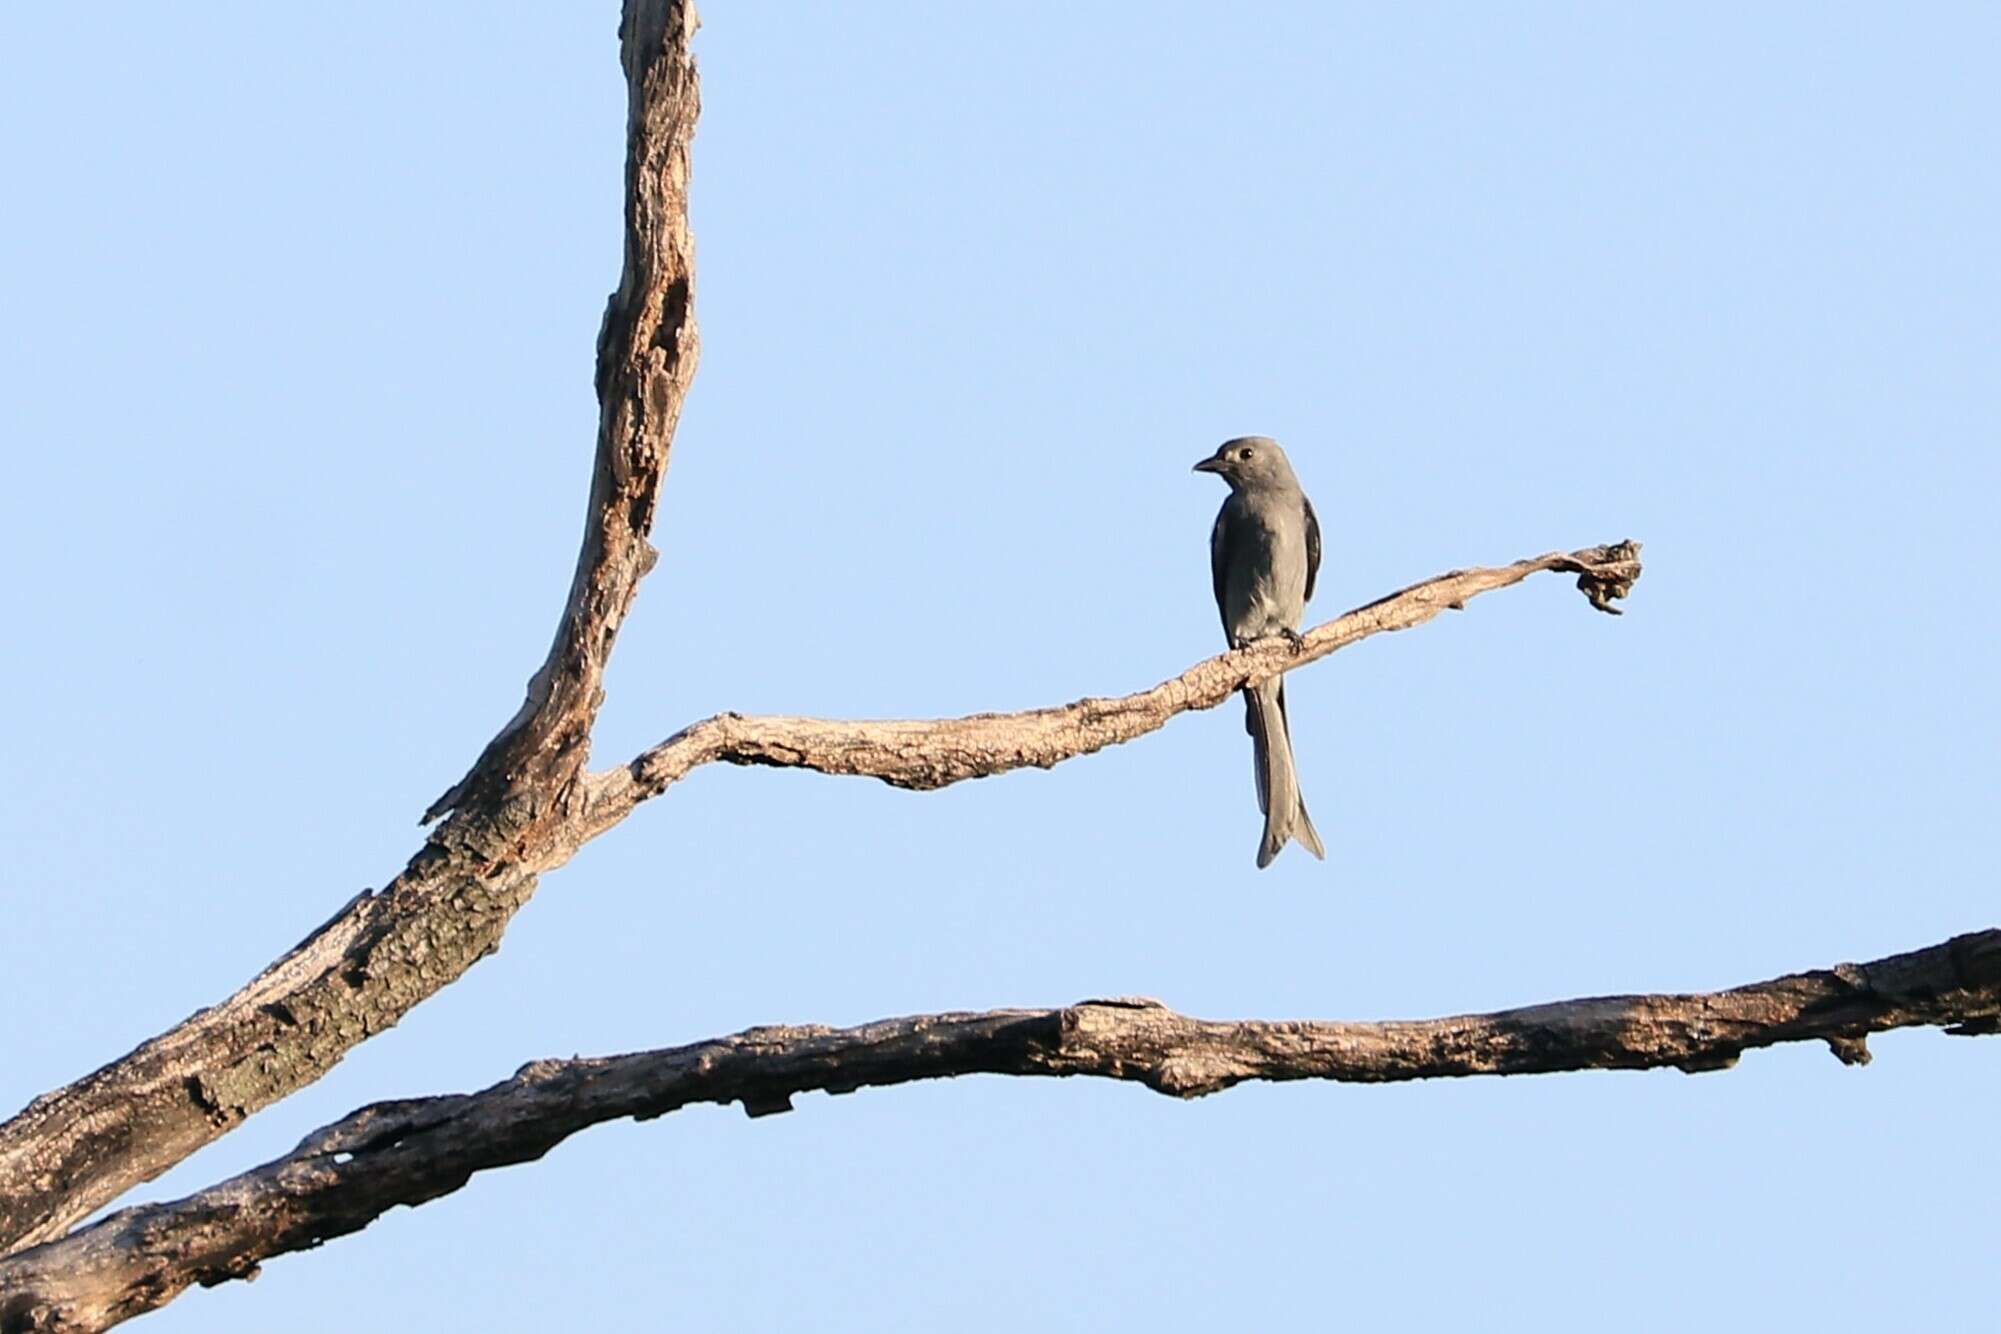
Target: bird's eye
{"x":1244,"y":454}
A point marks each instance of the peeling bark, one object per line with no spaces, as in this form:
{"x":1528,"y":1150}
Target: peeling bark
{"x":345,"y":1175}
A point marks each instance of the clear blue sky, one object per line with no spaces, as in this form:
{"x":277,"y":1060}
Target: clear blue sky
{"x":300,"y":303}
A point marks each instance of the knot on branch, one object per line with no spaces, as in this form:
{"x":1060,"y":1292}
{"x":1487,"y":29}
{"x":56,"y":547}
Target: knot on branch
{"x":1608,"y":573}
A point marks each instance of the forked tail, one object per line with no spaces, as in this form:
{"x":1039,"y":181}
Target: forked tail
{"x":1278,"y":784}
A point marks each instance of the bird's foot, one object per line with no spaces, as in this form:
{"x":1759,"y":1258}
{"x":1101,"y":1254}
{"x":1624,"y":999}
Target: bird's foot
{"x":1295,"y":640}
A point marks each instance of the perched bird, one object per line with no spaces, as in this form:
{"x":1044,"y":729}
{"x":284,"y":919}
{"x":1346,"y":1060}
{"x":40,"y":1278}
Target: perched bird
{"x":1264,"y":553}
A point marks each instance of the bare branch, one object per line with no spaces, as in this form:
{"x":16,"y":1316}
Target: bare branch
{"x":527,"y":805}
{"x":344,"y":1176}
{"x":935,"y":753}
{"x":647,"y":348}
{"x":77,"y":1148}
{"x":81,"y":1146}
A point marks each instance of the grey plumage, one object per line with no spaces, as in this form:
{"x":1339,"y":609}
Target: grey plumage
{"x":1264,"y":555}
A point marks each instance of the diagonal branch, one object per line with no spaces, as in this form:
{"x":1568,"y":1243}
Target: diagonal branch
{"x":936,"y":753}
{"x":346,"y":1175}
{"x":527,"y":804}
{"x":81,"y":1146}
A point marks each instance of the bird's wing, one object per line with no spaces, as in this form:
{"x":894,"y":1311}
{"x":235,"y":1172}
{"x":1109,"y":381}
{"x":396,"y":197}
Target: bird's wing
{"x":1312,"y":547}
{"x":1219,"y":558}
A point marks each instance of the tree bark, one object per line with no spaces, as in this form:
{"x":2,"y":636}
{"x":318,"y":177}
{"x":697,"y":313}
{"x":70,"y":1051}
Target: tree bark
{"x":78,"y":1148}
{"x":81,"y":1146}
{"x":345,"y":1175}
{"x":935,"y":753}
{"x":528,"y":803}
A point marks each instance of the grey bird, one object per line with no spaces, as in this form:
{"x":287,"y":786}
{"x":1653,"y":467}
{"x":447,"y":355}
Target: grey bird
{"x":1264,"y":554}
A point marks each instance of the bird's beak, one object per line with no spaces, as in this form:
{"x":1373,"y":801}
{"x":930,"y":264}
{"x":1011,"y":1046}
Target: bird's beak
{"x":1210,"y":464}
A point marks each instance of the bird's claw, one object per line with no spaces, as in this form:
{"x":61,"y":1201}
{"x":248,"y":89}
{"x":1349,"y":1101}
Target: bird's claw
{"x":1295,"y":640}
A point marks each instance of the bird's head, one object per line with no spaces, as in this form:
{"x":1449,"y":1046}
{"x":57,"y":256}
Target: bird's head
{"x":1249,"y":461}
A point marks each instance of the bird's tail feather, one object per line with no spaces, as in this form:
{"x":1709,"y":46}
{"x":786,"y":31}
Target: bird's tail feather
{"x":1305,"y":833}
{"x":1302,"y":825}
{"x":1278,"y":784}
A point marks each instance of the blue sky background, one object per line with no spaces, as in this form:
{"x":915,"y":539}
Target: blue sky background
{"x":300,"y":303}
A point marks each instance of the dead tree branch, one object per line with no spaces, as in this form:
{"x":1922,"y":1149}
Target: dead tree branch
{"x":344,"y":1176}
{"x":527,"y":804}
{"x":935,"y":753}
{"x":383,"y":953}
{"x":81,"y":1146}
{"x":647,"y":349}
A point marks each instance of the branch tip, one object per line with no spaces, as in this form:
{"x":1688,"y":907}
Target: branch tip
{"x":1611,"y":575}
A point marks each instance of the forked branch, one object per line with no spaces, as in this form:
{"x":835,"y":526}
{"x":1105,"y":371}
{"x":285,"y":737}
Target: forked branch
{"x":385,"y":952}
{"x":344,"y":1176}
{"x":527,"y":803}
{"x":514,"y":813}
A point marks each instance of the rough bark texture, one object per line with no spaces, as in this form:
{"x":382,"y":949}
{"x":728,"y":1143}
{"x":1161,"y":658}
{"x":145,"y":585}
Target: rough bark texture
{"x":528,"y":803}
{"x":344,"y":1176}
{"x":78,"y":1148}
{"x":935,"y":753}
{"x":647,"y":348}
{"x":81,"y":1146}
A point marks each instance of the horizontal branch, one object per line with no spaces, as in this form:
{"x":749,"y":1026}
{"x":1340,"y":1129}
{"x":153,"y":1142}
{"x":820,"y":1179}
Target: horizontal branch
{"x":403,"y":1153}
{"x":934,"y":753}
